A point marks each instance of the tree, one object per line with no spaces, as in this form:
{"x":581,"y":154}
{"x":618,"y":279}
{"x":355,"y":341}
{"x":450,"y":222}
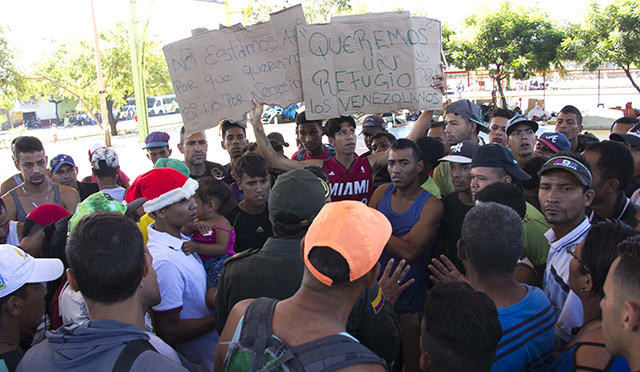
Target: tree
{"x":612,"y":35}
{"x":73,"y":67}
{"x":507,"y":41}
{"x":315,"y":11}
{"x":11,"y":86}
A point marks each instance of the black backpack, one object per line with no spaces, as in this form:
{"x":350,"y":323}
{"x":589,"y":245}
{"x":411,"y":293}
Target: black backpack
{"x":258,"y":350}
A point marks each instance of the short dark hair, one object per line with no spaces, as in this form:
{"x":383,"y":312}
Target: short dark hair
{"x":228,"y":124}
{"x":495,"y":247}
{"x":630,"y":120}
{"x":600,"y":250}
{"x":105,"y":170}
{"x":27,"y":144}
{"x":437,"y":124}
{"x":301,"y":118}
{"x":333,"y":125}
{"x":30,"y":227}
{"x":532,"y":167}
{"x":505,"y":194}
{"x":55,"y":240}
{"x":502,"y":113}
{"x":615,"y":161}
{"x":331,"y":264}
{"x":404,"y":143}
{"x":183,"y":135}
{"x":212,"y":190}
{"x":627,"y":275}
{"x":53,"y":245}
{"x":461,"y":329}
{"x":383,"y":133}
{"x":432,"y":151}
{"x":569,"y":109}
{"x":108,"y":266}
{"x":251,"y":164}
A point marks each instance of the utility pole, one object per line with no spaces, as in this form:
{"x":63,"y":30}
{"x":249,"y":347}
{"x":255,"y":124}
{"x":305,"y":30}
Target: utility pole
{"x":137,"y":67}
{"x":101,"y":89}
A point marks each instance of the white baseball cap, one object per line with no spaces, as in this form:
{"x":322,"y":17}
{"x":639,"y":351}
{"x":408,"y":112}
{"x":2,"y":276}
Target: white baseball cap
{"x":18,"y":268}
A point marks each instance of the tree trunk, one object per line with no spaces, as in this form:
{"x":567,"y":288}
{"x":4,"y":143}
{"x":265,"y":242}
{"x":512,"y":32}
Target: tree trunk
{"x":112,"y":121}
{"x":628,"y":73}
{"x":503,"y":99}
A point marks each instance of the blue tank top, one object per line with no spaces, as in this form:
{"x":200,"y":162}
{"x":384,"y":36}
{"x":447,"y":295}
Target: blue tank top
{"x":566,"y":360}
{"x":412,"y":299}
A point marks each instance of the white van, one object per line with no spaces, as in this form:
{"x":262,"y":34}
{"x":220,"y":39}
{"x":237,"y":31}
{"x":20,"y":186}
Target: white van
{"x":160,"y":105}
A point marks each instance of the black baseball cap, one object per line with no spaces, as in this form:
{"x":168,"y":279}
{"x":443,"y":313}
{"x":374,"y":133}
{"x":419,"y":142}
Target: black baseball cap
{"x":462,"y":152}
{"x":498,"y":156}
{"x":518,"y":120}
{"x":632,"y":136}
{"x":570,"y":165}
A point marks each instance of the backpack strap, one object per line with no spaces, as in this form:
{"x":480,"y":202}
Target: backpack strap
{"x":256,"y":332}
{"x":332,"y":353}
{"x":130,"y":353}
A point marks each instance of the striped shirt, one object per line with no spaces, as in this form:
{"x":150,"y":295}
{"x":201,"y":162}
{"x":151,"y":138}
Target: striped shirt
{"x":527,"y":334}
{"x":566,"y":304}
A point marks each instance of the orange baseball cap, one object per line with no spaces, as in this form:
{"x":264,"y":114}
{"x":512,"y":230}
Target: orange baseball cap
{"x":358,"y":233}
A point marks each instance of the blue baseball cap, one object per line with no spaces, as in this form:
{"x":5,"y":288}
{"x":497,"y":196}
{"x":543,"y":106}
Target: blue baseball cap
{"x":555,"y":141}
{"x":156,"y":139}
{"x":59,"y":161}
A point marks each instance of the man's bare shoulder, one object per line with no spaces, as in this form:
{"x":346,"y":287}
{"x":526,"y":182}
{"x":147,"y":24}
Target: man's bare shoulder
{"x":8,"y":185}
{"x":67,"y":190}
{"x":7,"y":196}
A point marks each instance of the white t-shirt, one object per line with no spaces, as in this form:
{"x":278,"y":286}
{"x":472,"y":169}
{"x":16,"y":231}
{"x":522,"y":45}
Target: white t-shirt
{"x":117,"y":193}
{"x":12,"y":237}
{"x":182,"y":280}
{"x":566,"y":304}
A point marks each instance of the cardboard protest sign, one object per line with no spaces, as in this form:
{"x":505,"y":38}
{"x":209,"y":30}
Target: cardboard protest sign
{"x":216,"y":74}
{"x":369,"y":63}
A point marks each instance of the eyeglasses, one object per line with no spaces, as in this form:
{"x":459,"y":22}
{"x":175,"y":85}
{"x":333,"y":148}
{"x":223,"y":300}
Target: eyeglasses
{"x":570,"y":249}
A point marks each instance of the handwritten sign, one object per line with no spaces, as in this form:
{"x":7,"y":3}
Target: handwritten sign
{"x":369,"y":63}
{"x":216,"y":74}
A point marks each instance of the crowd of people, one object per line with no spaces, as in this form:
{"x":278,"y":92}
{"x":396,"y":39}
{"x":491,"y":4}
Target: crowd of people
{"x":434,"y":252}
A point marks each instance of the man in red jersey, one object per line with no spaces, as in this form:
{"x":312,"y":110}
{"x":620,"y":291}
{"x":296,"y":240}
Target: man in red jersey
{"x":350,"y":176}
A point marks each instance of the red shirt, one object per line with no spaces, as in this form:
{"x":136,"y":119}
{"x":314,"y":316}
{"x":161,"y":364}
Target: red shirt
{"x":355,"y":183}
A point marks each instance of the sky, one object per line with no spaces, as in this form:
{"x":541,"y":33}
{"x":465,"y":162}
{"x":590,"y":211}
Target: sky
{"x":37,"y":27}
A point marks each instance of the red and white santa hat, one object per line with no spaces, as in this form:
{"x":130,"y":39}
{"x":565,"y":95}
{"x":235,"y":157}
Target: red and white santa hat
{"x":161,"y":187}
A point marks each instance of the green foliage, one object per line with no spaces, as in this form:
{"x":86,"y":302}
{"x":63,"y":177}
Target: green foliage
{"x":315,"y":11}
{"x":507,"y":41}
{"x":11,"y":86}
{"x":73,"y":66}
{"x":612,"y":35}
